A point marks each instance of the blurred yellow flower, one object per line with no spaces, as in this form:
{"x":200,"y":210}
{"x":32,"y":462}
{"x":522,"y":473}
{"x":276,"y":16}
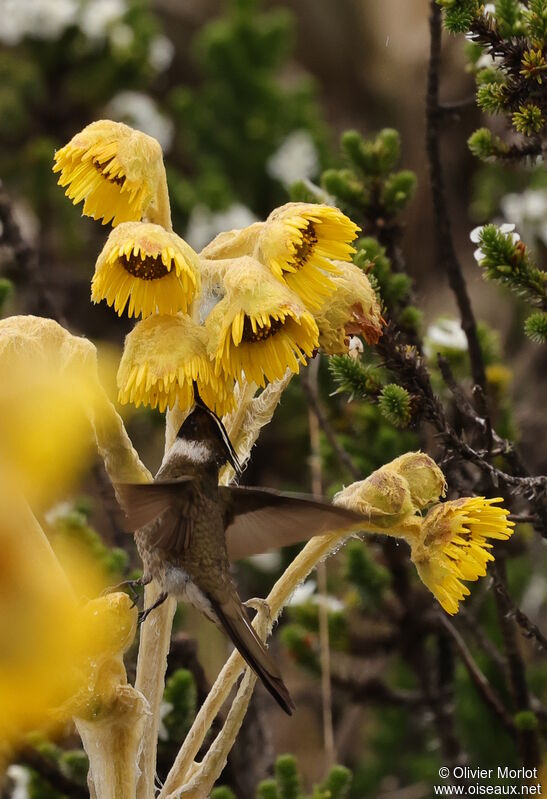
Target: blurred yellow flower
{"x":59,"y":657}
{"x":453,"y":545}
{"x":259,"y":327}
{"x":352,"y":309}
{"x":45,"y":405}
{"x":299,"y":242}
{"x":162,"y":358}
{"x":117,"y":171}
{"x":149,"y":267}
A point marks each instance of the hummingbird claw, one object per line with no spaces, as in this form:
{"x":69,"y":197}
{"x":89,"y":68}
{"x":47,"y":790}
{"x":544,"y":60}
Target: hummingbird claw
{"x":143,"y":615}
{"x":131,"y":587}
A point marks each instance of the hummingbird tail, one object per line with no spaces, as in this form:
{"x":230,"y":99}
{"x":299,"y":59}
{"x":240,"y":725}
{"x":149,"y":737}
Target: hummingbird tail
{"x":234,"y":621}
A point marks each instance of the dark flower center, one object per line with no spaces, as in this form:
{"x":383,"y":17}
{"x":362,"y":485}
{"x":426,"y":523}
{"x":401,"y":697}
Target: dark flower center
{"x":262,"y":333}
{"x":148,"y":267}
{"x":101,"y":169}
{"x":305,"y":248}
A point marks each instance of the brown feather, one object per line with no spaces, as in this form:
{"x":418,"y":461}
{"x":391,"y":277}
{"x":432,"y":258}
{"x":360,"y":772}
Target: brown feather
{"x":258,"y":520}
{"x":143,"y":502}
{"x":234,"y":620}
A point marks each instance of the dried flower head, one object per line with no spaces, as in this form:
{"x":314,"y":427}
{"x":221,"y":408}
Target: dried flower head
{"x":298,"y":243}
{"x":384,"y":497}
{"x":259,"y":327}
{"x":453,"y":545}
{"x":162,"y":358}
{"x":118,"y":172}
{"x":425,"y":480}
{"x":351,"y":310}
{"x":148,"y":267}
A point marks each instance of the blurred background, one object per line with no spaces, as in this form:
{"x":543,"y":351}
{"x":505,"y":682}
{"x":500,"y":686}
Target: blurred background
{"x":247,"y":98}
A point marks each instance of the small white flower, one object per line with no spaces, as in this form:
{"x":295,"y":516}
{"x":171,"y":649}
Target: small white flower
{"x":161,"y":53}
{"x":303,"y":593}
{"x":355,"y":348}
{"x":266,"y":561}
{"x":98,"y":16}
{"x":121,"y":36}
{"x":489,"y":9}
{"x":479,"y":255}
{"x":296,"y":159}
{"x":40,"y":19}
{"x":165,"y":709}
{"x":205,"y":224}
{"x":140,"y":111}
{"x":476,"y":233}
{"x":447,"y":334}
{"x":20,"y":776}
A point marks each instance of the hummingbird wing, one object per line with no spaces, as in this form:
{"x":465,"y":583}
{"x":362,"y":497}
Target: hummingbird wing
{"x":144,"y":502}
{"x":259,"y":519}
{"x":235,"y":622}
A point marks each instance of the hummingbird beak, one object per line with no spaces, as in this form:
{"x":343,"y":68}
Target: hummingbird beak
{"x":231,"y":455}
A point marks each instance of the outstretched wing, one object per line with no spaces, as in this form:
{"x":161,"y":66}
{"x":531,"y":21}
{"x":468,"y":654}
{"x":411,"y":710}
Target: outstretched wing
{"x":258,"y":520}
{"x":142,"y":503}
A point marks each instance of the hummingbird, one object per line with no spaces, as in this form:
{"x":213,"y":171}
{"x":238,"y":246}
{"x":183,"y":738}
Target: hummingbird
{"x":188,"y":530}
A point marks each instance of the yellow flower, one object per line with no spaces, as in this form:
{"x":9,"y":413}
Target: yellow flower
{"x":162,"y":357}
{"x":45,"y":404}
{"x":117,"y":171}
{"x":453,"y":545}
{"x":351,"y":310}
{"x":59,"y":655}
{"x":147,"y":266}
{"x":299,"y":241}
{"x":259,"y":327}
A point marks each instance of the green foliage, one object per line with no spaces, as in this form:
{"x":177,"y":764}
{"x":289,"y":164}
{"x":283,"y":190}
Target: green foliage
{"x":526,"y":720}
{"x":302,"y":646}
{"x":241,"y":114}
{"x":180,"y":692}
{"x":395,"y":405}
{"x":6,"y":292}
{"x":510,"y":263}
{"x":370,"y":578}
{"x":458,"y":14}
{"x":306,"y":615}
{"x":508,"y":16}
{"x":71,"y":529}
{"x":536,"y":21}
{"x":528,"y":119}
{"x":286,"y":784}
{"x":286,"y":774}
{"x":484,"y":145}
{"x":535,"y":327}
{"x":222,"y":793}
{"x":74,"y":764}
{"x":491,"y":97}
{"x":354,"y":377}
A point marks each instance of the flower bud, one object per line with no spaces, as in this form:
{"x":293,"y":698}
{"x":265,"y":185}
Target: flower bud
{"x":384,"y":497}
{"x":425,"y":480}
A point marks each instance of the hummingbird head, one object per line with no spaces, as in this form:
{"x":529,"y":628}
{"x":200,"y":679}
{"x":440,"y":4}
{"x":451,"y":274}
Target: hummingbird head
{"x":204,"y":427}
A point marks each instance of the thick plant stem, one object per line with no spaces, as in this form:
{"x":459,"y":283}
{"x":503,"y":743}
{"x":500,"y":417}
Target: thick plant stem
{"x":151,"y":666}
{"x":111,"y":743}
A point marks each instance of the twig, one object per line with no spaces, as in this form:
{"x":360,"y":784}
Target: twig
{"x":483,"y":686}
{"x":324,"y":643}
{"x":530,"y":629}
{"x":527,"y":738}
{"x":325,"y":425}
{"x":446,"y":252}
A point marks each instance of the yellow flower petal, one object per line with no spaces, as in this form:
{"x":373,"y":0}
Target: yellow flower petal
{"x":116,"y":171}
{"x":453,"y":545}
{"x":146,"y":269}
{"x":259,"y":327}
{"x":162,"y":358}
{"x":299,"y":242}
{"x":351,"y":310}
